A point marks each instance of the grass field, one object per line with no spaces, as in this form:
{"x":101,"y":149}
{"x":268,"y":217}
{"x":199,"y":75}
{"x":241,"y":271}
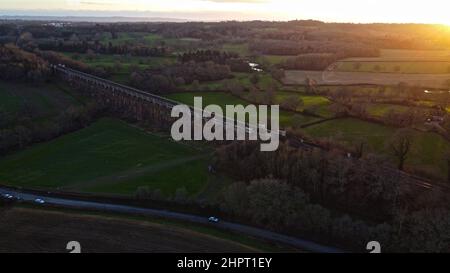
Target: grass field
{"x":149,"y":39}
{"x":318,"y":104}
{"x":272,"y":59}
{"x":384,"y":66}
{"x":43,"y":100}
{"x":145,"y":38}
{"x":382,"y":109}
{"x":222,"y":99}
{"x":109,"y":157}
{"x":400,"y":61}
{"x":265,"y":81}
{"x":428,"y":148}
{"x":123,"y":64}
{"x":298,"y":77}
{"x":241,"y":49}
{"x":122,"y":78}
{"x":29,"y":230}
{"x":414,"y":54}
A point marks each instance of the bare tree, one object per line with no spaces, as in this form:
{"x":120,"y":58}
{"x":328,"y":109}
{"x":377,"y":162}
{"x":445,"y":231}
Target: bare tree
{"x":359,"y":148}
{"x":447,"y":158}
{"x":400,"y":145}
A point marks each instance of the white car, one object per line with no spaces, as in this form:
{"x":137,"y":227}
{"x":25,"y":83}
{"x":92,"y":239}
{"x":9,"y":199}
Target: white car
{"x":7,"y":196}
{"x":39,"y":201}
{"x":213,"y":219}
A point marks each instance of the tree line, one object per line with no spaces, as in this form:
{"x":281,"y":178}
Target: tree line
{"x":179,"y":74}
{"x":19,"y":65}
{"x":312,"y":61}
{"x":27,"y":131}
{"x":344,"y":49}
{"x":293,"y":191}
{"x":231,"y":59}
{"x":280,"y":206}
{"x":104,"y":48}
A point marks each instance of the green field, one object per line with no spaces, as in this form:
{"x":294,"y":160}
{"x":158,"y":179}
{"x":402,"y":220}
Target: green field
{"x":149,"y":38}
{"x":317,"y":104}
{"x":122,"y":64}
{"x":241,"y":49}
{"x":42,"y":100}
{"x":108,"y":157}
{"x":222,"y":99}
{"x":265,"y":81}
{"x":272,"y":59}
{"x":407,"y":67}
{"x":428,"y":149}
{"x":400,"y":61}
{"x":131,"y":38}
{"x":414,"y":54}
{"x":382,"y":109}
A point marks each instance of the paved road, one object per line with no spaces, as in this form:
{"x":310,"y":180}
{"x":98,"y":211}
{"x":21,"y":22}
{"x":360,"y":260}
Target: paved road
{"x":255,"y":232}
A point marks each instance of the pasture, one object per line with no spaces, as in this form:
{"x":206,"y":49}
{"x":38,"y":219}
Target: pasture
{"x":272,"y":59}
{"x":265,"y":81}
{"x":298,"y":77}
{"x":428,"y":151}
{"x":122,"y":64}
{"x":40,"y":101}
{"x":415,"y":54}
{"x":108,"y":157}
{"x":312,"y":103}
{"x":145,"y":38}
{"x":386,"y":66}
{"x":222,"y":99}
{"x":241,"y":49}
{"x":383,"y":109}
{"x":400,"y":61}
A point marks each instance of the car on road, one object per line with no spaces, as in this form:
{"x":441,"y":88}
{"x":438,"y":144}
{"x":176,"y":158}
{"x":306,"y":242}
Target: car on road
{"x":39,"y":201}
{"x":213,"y":219}
{"x":7,"y":196}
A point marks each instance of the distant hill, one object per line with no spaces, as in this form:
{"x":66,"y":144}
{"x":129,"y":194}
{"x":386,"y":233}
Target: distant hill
{"x":99,"y":19}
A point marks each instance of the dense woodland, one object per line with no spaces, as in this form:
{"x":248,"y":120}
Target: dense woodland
{"x":291,"y":190}
{"x":18,"y":65}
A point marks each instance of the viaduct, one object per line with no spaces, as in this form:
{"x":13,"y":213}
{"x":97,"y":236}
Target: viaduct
{"x":141,"y":105}
{"x":131,"y":102}
{"x":128,"y":101}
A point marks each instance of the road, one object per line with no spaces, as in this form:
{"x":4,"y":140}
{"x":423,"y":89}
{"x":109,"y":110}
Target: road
{"x":224,"y":225}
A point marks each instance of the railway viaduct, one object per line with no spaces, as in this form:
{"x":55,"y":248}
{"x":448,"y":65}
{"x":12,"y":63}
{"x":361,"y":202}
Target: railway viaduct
{"x":124,"y":100}
{"x":141,"y":105}
{"x":130,"y":102}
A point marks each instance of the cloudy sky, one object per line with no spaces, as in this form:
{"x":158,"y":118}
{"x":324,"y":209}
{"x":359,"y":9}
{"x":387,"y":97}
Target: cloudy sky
{"x":420,"y":11}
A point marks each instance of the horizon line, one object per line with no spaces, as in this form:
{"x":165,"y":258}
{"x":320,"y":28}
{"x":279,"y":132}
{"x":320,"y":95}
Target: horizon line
{"x":180,"y":19}
{"x":183,"y":16}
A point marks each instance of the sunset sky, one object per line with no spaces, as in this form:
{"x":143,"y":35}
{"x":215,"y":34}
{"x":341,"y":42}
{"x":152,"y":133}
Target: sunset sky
{"x":416,"y":11}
